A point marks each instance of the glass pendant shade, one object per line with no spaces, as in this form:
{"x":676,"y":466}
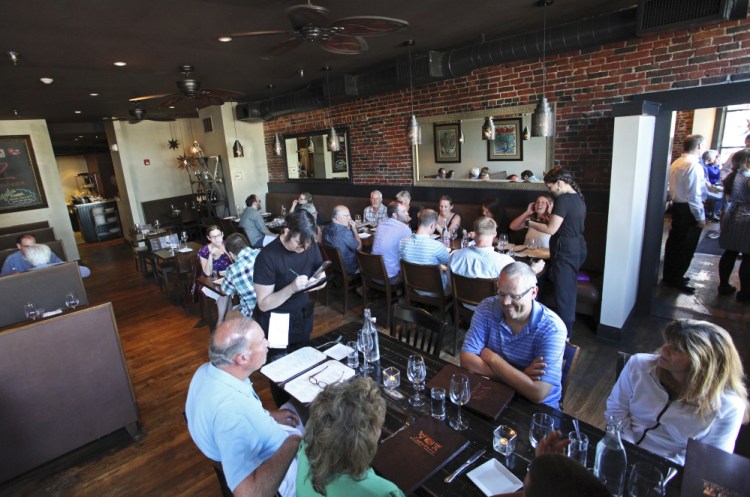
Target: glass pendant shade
{"x":333,"y":140}
{"x":237,"y":149}
{"x":525,"y":133}
{"x":413,"y":132}
{"x":543,"y":119}
{"x":276,"y":145}
{"x":488,"y":129}
{"x":310,"y":145}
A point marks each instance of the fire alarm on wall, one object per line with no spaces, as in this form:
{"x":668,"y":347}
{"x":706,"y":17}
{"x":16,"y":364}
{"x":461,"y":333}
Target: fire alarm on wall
{"x":146,"y":162}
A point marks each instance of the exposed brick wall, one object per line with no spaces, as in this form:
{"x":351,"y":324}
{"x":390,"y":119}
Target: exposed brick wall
{"x":584,"y":85}
{"x":682,"y":128}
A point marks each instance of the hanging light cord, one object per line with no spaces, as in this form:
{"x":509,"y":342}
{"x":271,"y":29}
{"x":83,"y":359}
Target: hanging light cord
{"x":234,"y":120}
{"x":544,"y":49}
{"x":328,"y":89}
{"x":411,"y":85}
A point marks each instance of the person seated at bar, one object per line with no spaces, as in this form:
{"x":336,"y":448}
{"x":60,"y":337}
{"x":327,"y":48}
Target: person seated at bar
{"x":484,"y":176}
{"x":252,"y":222}
{"x":513,"y":177}
{"x":528,"y":175}
{"x":40,"y":256}
{"x":239,"y":276}
{"x":226,"y":420}
{"x":481,"y":260}
{"x":441,"y":173}
{"x":447,"y":217}
{"x":421,"y":248}
{"x":340,"y":443}
{"x":538,"y":211}
{"x":515,"y":339}
{"x":388,"y":236}
{"x":17,"y":261}
{"x":450,"y":174}
{"x":473,"y":173}
{"x":214,"y":256}
{"x":376,"y":211}
{"x":493,"y":208}
{"x":342,"y":234}
{"x":691,"y":388}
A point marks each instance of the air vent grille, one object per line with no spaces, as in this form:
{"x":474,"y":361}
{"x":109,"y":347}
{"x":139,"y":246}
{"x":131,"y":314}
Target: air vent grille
{"x":666,"y":15}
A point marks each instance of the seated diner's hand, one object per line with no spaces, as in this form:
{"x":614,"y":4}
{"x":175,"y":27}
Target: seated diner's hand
{"x":217,"y":251}
{"x":531,"y":209}
{"x":553,"y":443}
{"x":285,"y":417}
{"x":535,"y":370}
{"x":499,"y":368}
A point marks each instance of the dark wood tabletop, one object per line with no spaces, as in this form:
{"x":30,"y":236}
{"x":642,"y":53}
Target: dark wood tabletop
{"x":516,"y":415}
{"x":167,"y":255}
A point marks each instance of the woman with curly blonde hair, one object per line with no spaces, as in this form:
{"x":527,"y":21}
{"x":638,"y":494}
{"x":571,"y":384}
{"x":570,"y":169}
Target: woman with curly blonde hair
{"x":340,"y":443}
{"x":693,"y":387}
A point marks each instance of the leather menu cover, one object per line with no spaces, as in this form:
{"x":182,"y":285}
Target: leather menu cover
{"x":417,"y":452}
{"x":488,"y":397}
{"x":712,"y":472}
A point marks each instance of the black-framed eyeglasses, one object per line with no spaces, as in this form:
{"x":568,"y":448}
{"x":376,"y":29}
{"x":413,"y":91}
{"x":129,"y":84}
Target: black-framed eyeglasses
{"x":322,"y":384}
{"x":516,"y":298}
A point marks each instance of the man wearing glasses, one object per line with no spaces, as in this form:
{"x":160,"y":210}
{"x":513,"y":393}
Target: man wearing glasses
{"x":17,"y":262}
{"x":515,"y":339}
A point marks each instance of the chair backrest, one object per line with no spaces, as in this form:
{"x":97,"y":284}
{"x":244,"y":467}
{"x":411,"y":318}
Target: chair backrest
{"x":570,"y":356}
{"x":418,"y":328}
{"x":372,"y":269}
{"x":472,"y":291}
{"x":23,"y":228}
{"x":423,"y":277}
{"x":622,"y":358}
{"x":334,"y":255}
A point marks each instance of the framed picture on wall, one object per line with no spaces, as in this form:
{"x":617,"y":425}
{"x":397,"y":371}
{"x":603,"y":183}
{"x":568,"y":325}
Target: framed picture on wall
{"x":21,"y":186}
{"x":507,"y":144}
{"x":447,"y":143}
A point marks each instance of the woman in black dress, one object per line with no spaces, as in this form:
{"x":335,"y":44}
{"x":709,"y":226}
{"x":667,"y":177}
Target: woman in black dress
{"x":567,"y":245}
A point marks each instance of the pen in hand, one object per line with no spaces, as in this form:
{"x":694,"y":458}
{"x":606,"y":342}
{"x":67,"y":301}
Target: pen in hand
{"x":293,"y":272}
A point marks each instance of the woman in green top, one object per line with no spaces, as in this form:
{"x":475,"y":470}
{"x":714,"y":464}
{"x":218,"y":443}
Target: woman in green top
{"x":341,"y":441}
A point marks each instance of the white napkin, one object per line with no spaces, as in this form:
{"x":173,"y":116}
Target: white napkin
{"x":364,"y":235}
{"x":493,"y":478}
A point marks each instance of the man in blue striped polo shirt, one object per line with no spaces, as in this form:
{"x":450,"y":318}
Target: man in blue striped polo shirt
{"x":421,"y":248}
{"x":516,"y":340}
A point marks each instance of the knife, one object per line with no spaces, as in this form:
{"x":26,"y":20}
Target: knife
{"x":465,"y":465}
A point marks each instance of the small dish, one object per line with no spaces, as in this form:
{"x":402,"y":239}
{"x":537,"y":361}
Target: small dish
{"x":493,"y":478}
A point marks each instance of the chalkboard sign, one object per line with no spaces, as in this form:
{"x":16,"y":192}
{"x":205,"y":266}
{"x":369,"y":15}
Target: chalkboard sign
{"x":20,"y":183}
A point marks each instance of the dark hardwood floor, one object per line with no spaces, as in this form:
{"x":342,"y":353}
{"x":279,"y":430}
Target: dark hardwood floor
{"x":163,"y":346}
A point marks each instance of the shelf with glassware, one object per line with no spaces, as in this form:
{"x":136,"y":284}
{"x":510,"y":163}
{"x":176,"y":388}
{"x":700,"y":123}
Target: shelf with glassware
{"x":206,"y":175}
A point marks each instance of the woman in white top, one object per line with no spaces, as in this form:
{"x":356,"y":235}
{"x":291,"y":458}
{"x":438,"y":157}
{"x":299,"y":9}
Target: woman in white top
{"x":539,"y":211}
{"x":692,"y":388}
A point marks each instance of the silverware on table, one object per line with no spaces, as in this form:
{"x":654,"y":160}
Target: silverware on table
{"x":332,"y":342}
{"x":671,"y":473}
{"x":465,"y":465}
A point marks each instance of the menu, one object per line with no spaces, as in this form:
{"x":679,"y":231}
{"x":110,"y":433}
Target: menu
{"x":712,"y":472}
{"x":488,"y":397}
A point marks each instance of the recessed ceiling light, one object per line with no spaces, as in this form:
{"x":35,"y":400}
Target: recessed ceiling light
{"x":171,"y":106}
{"x":47,"y":81}
{"x":225,"y":39}
{"x":105,"y":118}
{"x":77,"y":111}
{"x":94,"y":94}
{"x":80,"y":136}
{"x":121,"y":64}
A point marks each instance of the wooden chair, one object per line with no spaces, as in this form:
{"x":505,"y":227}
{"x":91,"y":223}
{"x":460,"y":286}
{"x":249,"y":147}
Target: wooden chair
{"x":622,"y":358}
{"x":337,"y":269}
{"x":375,"y":277}
{"x":418,"y":328}
{"x":570,"y":356}
{"x":469,"y":292}
{"x":426,"y":279}
{"x":184,"y":271}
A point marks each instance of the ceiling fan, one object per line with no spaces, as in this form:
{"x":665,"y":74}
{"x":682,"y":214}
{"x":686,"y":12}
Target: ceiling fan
{"x":138,"y":114}
{"x":191,"y":88}
{"x":312,"y":23}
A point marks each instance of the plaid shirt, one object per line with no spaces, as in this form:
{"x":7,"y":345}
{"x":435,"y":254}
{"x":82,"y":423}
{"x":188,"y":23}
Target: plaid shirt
{"x":239,"y":279}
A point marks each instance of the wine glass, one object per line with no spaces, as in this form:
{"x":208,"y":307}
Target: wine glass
{"x":416,"y":371}
{"x":184,"y":238}
{"x":71,"y":300}
{"x":366,"y":344}
{"x":645,"y":481}
{"x":460,"y":395}
{"x":541,"y":425}
{"x":29,"y":309}
{"x":358,"y":218}
{"x":531,"y":244}
{"x":502,"y":241}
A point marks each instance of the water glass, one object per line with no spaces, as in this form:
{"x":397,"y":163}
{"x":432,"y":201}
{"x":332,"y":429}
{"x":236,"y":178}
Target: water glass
{"x":437,"y":403}
{"x":645,"y":481}
{"x":541,"y":425}
{"x":460,"y":395}
{"x":502,"y":241}
{"x":352,"y":358}
{"x":71,"y":300}
{"x":358,"y":218}
{"x":579,"y":446}
{"x":416,"y":371}
{"x":531,"y":244}
{"x":504,"y":440}
{"x":391,"y":378}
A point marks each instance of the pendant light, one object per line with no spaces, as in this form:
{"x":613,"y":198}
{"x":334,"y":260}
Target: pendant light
{"x":461,"y":138}
{"x":276,"y":145}
{"x":413,"y":129}
{"x":237,"y":149}
{"x":543,"y":118}
{"x":333,"y":139}
{"x":488,"y":129}
{"x":310,"y":145}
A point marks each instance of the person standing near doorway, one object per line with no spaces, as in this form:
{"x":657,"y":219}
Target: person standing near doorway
{"x":687,"y":184}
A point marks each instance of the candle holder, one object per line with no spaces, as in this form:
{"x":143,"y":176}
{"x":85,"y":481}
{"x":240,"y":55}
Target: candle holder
{"x":504,"y":440}
{"x":391,"y":378}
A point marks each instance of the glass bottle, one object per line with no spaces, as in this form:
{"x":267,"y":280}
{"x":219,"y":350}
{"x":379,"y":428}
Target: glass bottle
{"x":446,"y":235}
{"x":611,"y":461}
{"x":372,"y":329}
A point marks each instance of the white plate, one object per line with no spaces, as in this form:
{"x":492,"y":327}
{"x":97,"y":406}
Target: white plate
{"x":493,"y":478}
{"x":365,"y":235}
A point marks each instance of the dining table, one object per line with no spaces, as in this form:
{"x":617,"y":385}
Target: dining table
{"x":166,"y":255}
{"x":517,"y":415}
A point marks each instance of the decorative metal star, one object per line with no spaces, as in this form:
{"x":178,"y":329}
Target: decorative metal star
{"x":173,"y":144}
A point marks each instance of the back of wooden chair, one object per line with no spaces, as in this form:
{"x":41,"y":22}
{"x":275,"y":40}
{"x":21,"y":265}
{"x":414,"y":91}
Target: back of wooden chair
{"x":339,"y":272}
{"x":570,"y":357}
{"x":622,"y":358}
{"x":375,"y":277}
{"x":425,"y":278}
{"x":418,"y":328}
{"x":468,"y":292}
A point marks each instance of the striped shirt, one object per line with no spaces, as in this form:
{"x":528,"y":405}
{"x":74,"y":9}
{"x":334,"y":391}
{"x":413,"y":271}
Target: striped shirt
{"x":544,"y":335}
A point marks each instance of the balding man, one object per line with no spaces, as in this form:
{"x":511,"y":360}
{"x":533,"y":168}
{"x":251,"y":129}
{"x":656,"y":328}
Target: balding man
{"x":515,"y":339}
{"x":256,"y":448}
{"x":342,"y":234}
{"x":17,"y":261}
{"x":376,"y":211}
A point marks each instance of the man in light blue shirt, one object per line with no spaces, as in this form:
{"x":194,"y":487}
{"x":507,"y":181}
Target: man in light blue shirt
{"x":516,"y":340}
{"x":388,"y":236}
{"x":17,"y":262}
{"x":421,"y":248}
{"x":228,"y":423}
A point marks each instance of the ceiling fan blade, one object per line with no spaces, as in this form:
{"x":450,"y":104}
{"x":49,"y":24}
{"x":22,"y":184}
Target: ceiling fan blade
{"x":159,"y":118}
{"x":205,"y":100}
{"x":149,"y":97}
{"x":344,"y":44}
{"x":307,"y":15}
{"x":282,"y":48}
{"x":171,"y":101}
{"x":369,"y":25}
{"x":259,"y":33}
{"x":218,"y":92}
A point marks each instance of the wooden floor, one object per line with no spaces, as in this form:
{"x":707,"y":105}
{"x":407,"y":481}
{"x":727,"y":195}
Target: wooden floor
{"x":163,"y":346}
